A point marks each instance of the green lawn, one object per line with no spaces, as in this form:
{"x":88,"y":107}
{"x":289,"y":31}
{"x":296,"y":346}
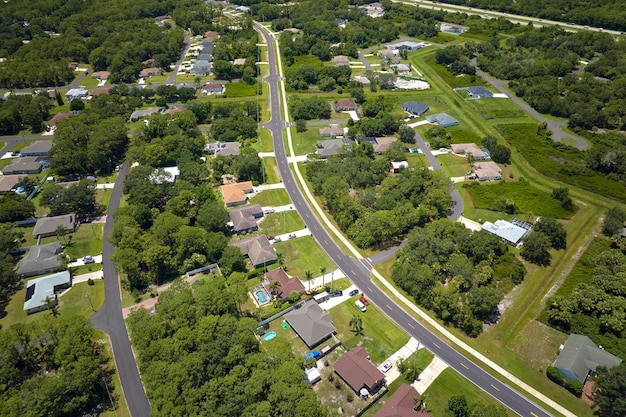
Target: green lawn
{"x":264,"y":141}
{"x":279,"y":223}
{"x":449,"y":78}
{"x":103,"y":197}
{"x":89,"y":82}
{"x":303,"y":254}
{"x":450,"y":383}
{"x":272,"y":176}
{"x":380,"y":336}
{"x":240,"y":89}
{"x":87,"y":240}
{"x":497,"y":108}
{"x":461,"y":135}
{"x":272,"y":198}
{"x":306,"y":142}
{"x":455,"y":166}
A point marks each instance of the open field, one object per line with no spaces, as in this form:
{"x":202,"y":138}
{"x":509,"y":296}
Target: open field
{"x":277,"y":197}
{"x":279,"y":223}
{"x":497,"y":108}
{"x":303,"y":254}
{"x":305,"y":142}
{"x":455,"y":166}
{"x":240,"y":89}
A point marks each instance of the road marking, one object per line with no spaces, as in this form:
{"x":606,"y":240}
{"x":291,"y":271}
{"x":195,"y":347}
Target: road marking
{"x":352,"y":270}
{"x":533,"y":414}
{"x":388,"y":306}
{"x":369,"y":289}
{"x":494,"y":387}
{"x":436,"y":345}
{"x":411,"y":326}
{"x":463,"y":365}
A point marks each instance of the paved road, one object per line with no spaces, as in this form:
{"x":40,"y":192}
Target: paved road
{"x":11,"y":141}
{"x":171,"y":79}
{"x":109,"y":317}
{"x":359,"y":270}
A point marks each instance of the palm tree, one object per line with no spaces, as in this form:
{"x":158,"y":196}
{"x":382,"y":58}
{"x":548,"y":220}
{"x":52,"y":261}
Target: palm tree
{"x":356,"y":323}
{"x":322,"y":271}
{"x":275,"y":287}
{"x":52,"y":306}
{"x":308,"y":275}
{"x":280,"y":258}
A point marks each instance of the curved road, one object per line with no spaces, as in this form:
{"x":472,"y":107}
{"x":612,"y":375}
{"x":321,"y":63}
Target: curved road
{"x":359,"y":270}
{"x":109,"y":317}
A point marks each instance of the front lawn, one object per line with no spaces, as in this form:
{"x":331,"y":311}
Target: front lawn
{"x":279,"y":223}
{"x":455,"y":166}
{"x":87,"y":240}
{"x":272,"y":176}
{"x":306,"y":142}
{"x":380,"y":336}
{"x":240,"y":89}
{"x":271,"y":198}
{"x":304,"y":254}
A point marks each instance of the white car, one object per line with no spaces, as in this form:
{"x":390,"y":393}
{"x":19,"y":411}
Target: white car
{"x":360,"y":305}
{"x":386,"y":366}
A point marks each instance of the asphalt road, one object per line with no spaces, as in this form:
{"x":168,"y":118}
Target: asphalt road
{"x":359,"y":270}
{"x":109,"y":317}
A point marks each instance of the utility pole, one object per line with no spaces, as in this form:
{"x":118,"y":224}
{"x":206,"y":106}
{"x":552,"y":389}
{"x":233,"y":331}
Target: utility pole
{"x":90,"y":303}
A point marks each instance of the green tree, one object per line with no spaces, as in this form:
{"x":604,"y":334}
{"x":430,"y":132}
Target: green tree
{"x":613,"y":221}
{"x":407,"y":135}
{"x":611,"y":394}
{"x":300,"y":125}
{"x":535,"y":249}
{"x":457,"y":404}
{"x":554,"y":230}
{"x":356,"y":324}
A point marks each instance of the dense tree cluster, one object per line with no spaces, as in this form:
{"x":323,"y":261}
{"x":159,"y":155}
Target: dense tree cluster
{"x":597,"y":308}
{"x":547,"y":233}
{"x":79,"y":199}
{"x":498,"y":152}
{"x":456,"y":273}
{"x":15,"y":207}
{"x":199,"y":357}
{"x":457,"y":59}
{"x":21,"y":111}
{"x":307,"y":108}
{"x":326,"y":78}
{"x":611,"y":394}
{"x":372,"y":207}
{"x":11,"y":238}
{"x":248,"y":166}
{"x":458,"y":406}
{"x":614,"y":221}
{"x":233,"y":45}
{"x":50,"y":367}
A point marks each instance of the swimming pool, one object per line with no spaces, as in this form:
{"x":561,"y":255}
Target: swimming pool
{"x":261,"y":296}
{"x":269,"y":336}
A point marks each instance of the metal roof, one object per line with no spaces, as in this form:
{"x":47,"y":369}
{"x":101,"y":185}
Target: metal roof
{"x":506,"y":230}
{"x":37,"y":290}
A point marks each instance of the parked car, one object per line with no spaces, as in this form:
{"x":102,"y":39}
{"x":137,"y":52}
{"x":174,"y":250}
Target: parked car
{"x":268,"y":211}
{"x":364,"y":301}
{"x":353,"y":293}
{"x":89,"y":259}
{"x":360,"y":305}
{"x":336,"y":293}
{"x":386,"y":366}
{"x":270,"y":237}
{"x":277,"y":239}
{"x":292,"y":236}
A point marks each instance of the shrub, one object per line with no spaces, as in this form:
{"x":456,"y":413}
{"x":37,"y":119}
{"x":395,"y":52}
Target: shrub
{"x":574,"y":387}
{"x":350,"y":397}
{"x":90,"y":282}
{"x":337,"y":384}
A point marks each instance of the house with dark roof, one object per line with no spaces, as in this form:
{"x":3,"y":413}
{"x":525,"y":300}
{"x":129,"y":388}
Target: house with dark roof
{"x":358,"y":372}
{"x":47,"y":226}
{"x":333,"y":131}
{"x":258,"y":249}
{"x":287,"y":284}
{"x":476,"y":92}
{"x":27,"y":165}
{"x":345,"y":104}
{"x":580,"y":357}
{"x":8,"y":182}
{"x":442,"y":119}
{"x":326,"y":148}
{"x":244,"y":220}
{"x":236,"y":194}
{"x":312,"y":324}
{"x":415,"y":108}
{"x":401,"y":404}
{"x":39,"y":148}
{"x":41,"y":290}
{"x":41,"y":259}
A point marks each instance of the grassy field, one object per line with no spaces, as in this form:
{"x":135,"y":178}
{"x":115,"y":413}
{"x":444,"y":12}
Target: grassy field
{"x":87,"y":240}
{"x":497,"y":108}
{"x":305,"y":142}
{"x":304,"y":254}
{"x":272,"y":176}
{"x":529,"y":199}
{"x":461,"y":135}
{"x":380,"y":336}
{"x":272,"y":198}
{"x":89,"y":82}
{"x":455,"y":166}
{"x":264,"y":142}
{"x":449,"y":78}
{"x":279,"y":223}
{"x":240,"y":89}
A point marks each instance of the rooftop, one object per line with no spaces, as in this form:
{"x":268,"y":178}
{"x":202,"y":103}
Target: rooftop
{"x":245,"y":218}
{"x":287,"y":284}
{"x":442,"y":119}
{"x":258,"y":249}
{"x":40,"y":258}
{"x":25,"y":164}
{"x":467,"y":148}
{"x":7,"y":182}
{"x":167,"y":174}
{"x":39,"y":289}
{"x":401,"y":404}
{"x":41,"y":146}
{"x":580,"y":356}
{"x":236,"y":193}
{"x":326,"y":148}
{"x":312,"y":324}
{"x":47,"y":225}
{"x":415,"y":107}
{"x":355,"y":368}
{"x":506,"y":230}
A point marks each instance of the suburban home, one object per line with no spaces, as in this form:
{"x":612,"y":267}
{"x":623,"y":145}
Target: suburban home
{"x":201,"y":68}
{"x":401,"y":69}
{"x":258,"y":249}
{"x":401,"y":404}
{"x":100,"y":91}
{"x":397,"y":166}
{"x":8,"y":182}
{"x":340,"y":60}
{"x":487,"y":171}
{"x":476,"y":92}
{"x":213,"y":88}
{"x":41,"y":259}
{"x":173,"y":110}
{"x":76,"y":93}
{"x":41,"y":290}
{"x":442,"y":119}
{"x":580,"y":357}
{"x":345,"y":104}
{"x":101,"y":75}
{"x":373,"y":10}
{"x":211,"y":36}
{"x":312,"y":324}
{"x":27,"y":165}
{"x":452,"y":28}
{"x":326,"y":148}
{"x":409,"y":46}
{"x":143,"y":113}
{"x":464,"y":149}
{"x":244,"y":220}
{"x":387,"y":53}
{"x":415,"y":108}
{"x":243,"y":9}
{"x":239,"y":61}
{"x":358,"y":372}
{"x":333,"y":131}
{"x":236,"y":194}
{"x":287,"y":284}
{"x":362,"y":79}
{"x":149,"y":72}
{"x":380,"y":144}
{"x":506,"y":231}
{"x":163,"y":175}
{"x":224,"y":148}
{"x":206,"y":48}
{"x":60,"y":115}
{"x":47,"y":226}
{"x":39,"y":148}
{"x":341,"y":22}
{"x":205,"y":57}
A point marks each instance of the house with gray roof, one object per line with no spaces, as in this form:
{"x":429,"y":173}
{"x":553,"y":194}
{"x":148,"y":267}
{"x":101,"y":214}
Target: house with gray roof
{"x":26,"y":165}
{"x":201,"y":67}
{"x":224,"y":148}
{"x":143,"y":113}
{"x":476,"y":92}
{"x":8,"y":182}
{"x":333,"y":131}
{"x":415,"y":108}
{"x":41,"y":290}
{"x":487,"y":171}
{"x":580,"y":357}
{"x":76,"y":93}
{"x":326,"y":148}
{"x":258,"y":249}
{"x":506,"y":231}
{"x":41,"y":259}
{"x":405,"y":45}
{"x":442,"y":119}
{"x":39,"y":148}
{"x":312,"y":324}
{"x":244,"y":220}
{"x":47,"y":226}
{"x":402,"y":69}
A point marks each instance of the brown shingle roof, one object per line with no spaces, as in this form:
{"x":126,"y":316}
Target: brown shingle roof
{"x":401,"y":404}
{"x":245,"y":218}
{"x":357,"y":371}
{"x":345,"y":104}
{"x":258,"y":249}
{"x":287,"y":285}
{"x":236,"y":193}
{"x":7,"y":182}
{"x":60,"y":115}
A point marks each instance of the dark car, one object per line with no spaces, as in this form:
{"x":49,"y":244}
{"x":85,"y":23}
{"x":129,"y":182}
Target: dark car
{"x":336,"y":293}
{"x":364,"y":301}
{"x":353,"y":292}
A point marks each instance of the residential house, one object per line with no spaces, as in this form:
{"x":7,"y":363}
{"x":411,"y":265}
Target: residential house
{"x":101,"y":75}
{"x":464,"y":149}
{"x":340,"y":60}
{"x":401,"y":404}
{"x":442,"y":119}
{"x":381,"y":144}
{"x":163,"y":175}
{"x":333,"y":131}
{"x":41,"y":259}
{"x":362,"y":79}
{"x":47,"y":226}
{"x":236,"y":194}
{"x":312,"y":324}
{"x":345,"y":104}
{"x":373,"y":10}
{"x":76,"y":93}
{"x":100,"y":91}
{"x":213,"y":88}
{"x":358,"y":372}
{"x":580,"y":358}
{"x":326,"y":148}
{"x":409,"y":46}
{"x":244,"y":220}
{"x":205,"y":57}
{"x":452,"y":28}
{"x":143,"y":113}
{"x":506,"y":231}
{"x":149,"y":72}
{"x":173,"y":110}
{"x":258,"y":249}
{"x":287,"y":284}
{"x":201,"y":68}
{"x":401,"y":69}
{"x":341,"y":22}
{"x":27,"y":165}
{"x":239,"y":61}
{"x":476,"y":92}
{"x":396,"y":166}
{"x":224,"y":148}
{"x":8,"y":182}
{"x":39,"y":148}
{"x":60,"y":115}
{"x":387,"y":53}
{"x":211,"y":36}
{"x":415,"y":108}
{"x":487,"y":171}
{"x":41,"y":291}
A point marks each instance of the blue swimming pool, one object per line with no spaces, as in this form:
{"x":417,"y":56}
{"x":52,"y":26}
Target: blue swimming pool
{"x":261,"y":296}
{"x":269,"y":336}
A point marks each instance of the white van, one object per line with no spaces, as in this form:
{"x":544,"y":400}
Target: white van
{"x":360,"y":305}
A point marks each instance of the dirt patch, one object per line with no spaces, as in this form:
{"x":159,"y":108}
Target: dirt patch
{"x":538,"y":345}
